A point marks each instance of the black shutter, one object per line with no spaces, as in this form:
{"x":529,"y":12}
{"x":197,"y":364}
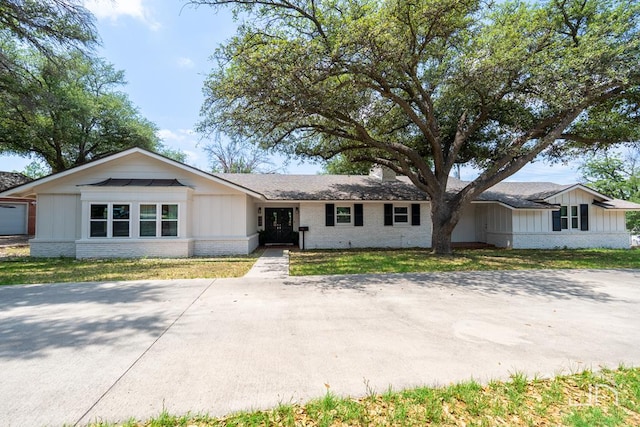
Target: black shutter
{"x":557,"y":225}
{"x":584,"y":217}
{"x":415,"y":214}
{"x":329,"y":211}
{"x":388,"y":214}
{"x":359,"y":215}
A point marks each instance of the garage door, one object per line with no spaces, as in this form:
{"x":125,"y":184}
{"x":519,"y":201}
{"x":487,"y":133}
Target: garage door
{"x":13,"y":218}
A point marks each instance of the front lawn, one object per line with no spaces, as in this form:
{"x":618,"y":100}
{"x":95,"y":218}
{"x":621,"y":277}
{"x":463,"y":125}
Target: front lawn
{"x":607,"y":398}
{"x":16,"y":268}
{"x":355,"y":261}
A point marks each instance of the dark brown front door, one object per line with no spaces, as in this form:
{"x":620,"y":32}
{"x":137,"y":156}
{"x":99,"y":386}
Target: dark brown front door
{"x":278,"y":225}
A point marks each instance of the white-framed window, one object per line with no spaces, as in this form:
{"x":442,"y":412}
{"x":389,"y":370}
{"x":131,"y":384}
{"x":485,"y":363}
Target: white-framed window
{"x":343,"y":214}
{"x":574,"y":217}
{"x":401,"y":215}
{"x":571,"y":217}
{"x":158,"y":219}
{"x":564,"y":217}
{"x":109,"y":220}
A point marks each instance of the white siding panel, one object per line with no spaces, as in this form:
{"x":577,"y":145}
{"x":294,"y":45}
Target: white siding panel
{"x":136,"y":166}
{"x":215,"y":215}
{"x":57,"y":216}
{"x":465,"y":230}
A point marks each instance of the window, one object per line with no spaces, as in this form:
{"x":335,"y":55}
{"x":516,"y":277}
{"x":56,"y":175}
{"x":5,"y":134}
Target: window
{"x":343,"y":215}
{"x":109,"y":220}
{"x":574,"y":217}
{"x":120,"y":224}
{"x":564,"y":218}
{"x":148,"y":220}
{"x":149,"y":215}
{"x":98,"y":221}
{"x":577,"y":216}
{"x":169,"y":220}
{"x":401,"y":214}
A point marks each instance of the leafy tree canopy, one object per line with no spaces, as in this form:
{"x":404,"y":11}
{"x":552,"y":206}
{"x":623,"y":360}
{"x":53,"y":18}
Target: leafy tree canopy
{"x":616,"y":176}
{"x":343,"y":165}
{"x":421,"y":85}
{"x":68,"y":112}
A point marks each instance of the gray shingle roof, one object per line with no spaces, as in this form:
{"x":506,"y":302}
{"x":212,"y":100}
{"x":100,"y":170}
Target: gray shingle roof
{"x":12,"y":179}
{"x":326,"y":187}
{"x":519,"y":195}
{"x":523,"y":195}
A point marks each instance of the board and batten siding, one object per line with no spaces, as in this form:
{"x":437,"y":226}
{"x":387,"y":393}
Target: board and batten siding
{"x":372,"y":234}
{"x":58,"y":225}
{"x":223,"y":224}
{"x":465,"y":230}
{"x":534,"y":229}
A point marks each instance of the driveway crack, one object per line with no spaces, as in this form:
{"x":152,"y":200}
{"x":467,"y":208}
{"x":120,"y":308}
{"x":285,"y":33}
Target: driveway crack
{"x":135,"y":362}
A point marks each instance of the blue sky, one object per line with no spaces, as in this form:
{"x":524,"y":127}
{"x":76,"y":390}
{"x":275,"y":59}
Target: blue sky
{"x":164,"y":49}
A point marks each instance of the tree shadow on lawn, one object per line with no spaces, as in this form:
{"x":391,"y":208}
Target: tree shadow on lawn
{"x":556,"y":284}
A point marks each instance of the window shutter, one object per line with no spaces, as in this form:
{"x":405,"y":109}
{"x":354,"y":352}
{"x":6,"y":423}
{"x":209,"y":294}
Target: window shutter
{"x":330,"y":210}
{"x":388,"y":214}
{"x":415,"y":214}
{"x":358,"y":215}
{"x":557,"y":224}
{"x":584,"y":217}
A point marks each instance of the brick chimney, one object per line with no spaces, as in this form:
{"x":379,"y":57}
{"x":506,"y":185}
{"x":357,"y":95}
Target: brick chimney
{"x":382,"y":173}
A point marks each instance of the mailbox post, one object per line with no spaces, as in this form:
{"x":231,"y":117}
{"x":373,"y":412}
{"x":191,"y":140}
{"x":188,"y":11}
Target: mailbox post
{"x":302,"y":230}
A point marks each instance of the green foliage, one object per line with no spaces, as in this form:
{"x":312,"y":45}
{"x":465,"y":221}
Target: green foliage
{"x":342,"y":165}
{"x":47,"y":24}
{"x":424,"y":85}
{"x":36,"y":169}
{"x":172,"y":153}
{"x":617,"y":177}
{"x":66,"y":113}
{"x":466,"y":403}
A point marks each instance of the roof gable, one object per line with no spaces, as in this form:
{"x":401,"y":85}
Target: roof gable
{"x":114,"y":159}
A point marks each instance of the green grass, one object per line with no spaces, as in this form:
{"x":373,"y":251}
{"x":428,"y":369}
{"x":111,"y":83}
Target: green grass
{"x":355,"y":261}
{"x":517,"y":402}
{"x":21,"y":269}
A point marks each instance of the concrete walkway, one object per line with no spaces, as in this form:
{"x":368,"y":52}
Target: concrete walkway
{"x":273,"y":264}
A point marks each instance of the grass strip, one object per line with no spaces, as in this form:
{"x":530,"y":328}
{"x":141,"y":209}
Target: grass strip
{"x":365,"y":261}
{"x":564,"y":400}
{"x":19,"y":269}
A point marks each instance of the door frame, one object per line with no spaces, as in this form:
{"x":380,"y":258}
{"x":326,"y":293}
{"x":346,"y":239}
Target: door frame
{"x":275,"y":235}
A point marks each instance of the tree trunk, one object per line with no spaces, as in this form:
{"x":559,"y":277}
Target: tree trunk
{"x":444,"y":217}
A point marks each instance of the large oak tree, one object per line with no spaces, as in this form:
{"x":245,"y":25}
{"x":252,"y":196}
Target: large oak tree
{"x":422,"y":85}
{"x":70,"y":111}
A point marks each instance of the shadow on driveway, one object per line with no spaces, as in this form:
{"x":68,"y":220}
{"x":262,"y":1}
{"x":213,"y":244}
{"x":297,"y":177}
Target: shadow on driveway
{"x":37,"y":318}
{"x":556,"y":284}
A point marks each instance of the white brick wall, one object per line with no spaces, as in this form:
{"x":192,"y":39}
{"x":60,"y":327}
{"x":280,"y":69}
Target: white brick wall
{"x":225,"y":246}
{"x":585,"y":239}
{"x":374,"y":234}
{"x":52,"y":248}
{"x":131,"y":248}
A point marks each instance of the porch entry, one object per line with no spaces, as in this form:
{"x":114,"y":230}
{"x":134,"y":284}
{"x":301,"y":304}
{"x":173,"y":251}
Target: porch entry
{"x":278,"y":225}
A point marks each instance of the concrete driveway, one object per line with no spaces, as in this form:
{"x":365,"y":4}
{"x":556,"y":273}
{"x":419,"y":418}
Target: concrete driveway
{"x":75,"y":353}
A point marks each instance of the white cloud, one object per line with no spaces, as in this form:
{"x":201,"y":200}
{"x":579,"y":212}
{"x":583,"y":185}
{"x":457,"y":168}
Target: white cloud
{"x":185,"y":140}
{"x":114,"y":9}
{"x":184,"y":62}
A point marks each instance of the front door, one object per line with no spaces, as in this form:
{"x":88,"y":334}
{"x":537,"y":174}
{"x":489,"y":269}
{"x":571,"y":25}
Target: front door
{"x":278,"y":225}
